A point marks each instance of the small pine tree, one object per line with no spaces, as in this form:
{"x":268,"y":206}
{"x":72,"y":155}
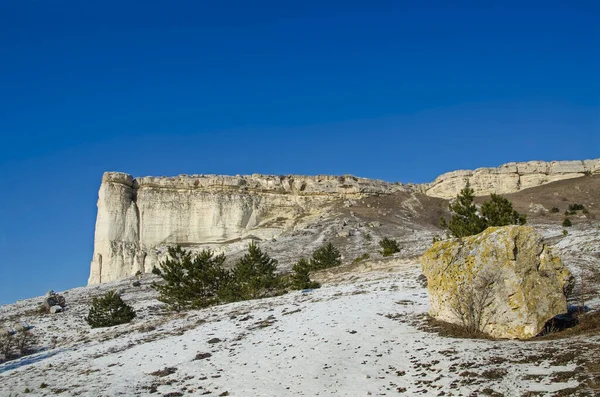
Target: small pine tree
{"x":498,"y":211}
{"x":325,"y":257}
{"x":173,"y":272}
{"x":389,"y":246}
{"x":254,"y":274}
{"x":109,"y":310}
{"x":191,"y":281}
{"x":464,"y":220}
{"x":300,"y":279}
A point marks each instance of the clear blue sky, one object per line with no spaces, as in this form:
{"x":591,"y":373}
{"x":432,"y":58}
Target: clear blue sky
{"x":395,"y":90}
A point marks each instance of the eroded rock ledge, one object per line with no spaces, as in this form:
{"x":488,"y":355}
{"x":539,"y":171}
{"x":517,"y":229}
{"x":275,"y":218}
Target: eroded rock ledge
{"x":510,"y":177}
{"x":284,"y":184}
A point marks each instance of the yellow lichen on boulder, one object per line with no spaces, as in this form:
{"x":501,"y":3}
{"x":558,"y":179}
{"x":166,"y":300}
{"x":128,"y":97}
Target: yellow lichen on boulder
{"x":504,"y":282}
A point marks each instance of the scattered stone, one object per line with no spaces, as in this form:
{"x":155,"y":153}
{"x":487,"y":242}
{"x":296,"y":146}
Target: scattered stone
{"x":55,"y":309}
{"x":164,"y":372}
{"x":214,"y":340}
{"x":202,"y":356}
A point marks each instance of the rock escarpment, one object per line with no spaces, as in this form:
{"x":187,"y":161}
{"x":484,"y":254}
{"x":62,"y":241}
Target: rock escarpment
{"x":510,"y":177}
{"x":138,"y":218}
{"x":503,"y":281}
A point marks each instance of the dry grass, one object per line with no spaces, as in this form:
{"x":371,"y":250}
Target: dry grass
{"x":443,"y":328}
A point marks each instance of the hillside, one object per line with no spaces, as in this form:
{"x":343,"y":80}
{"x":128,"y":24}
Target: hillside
{"x":364,"y":332}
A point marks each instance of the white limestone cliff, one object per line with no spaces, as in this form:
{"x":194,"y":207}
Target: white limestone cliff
{"x":138,"y":218}
{"x":510,"y":177}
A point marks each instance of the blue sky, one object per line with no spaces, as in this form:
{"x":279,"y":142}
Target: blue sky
{"x":394,"y":90}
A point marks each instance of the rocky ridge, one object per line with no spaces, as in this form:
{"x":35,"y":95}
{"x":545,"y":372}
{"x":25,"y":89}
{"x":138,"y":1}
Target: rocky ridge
{"x":510,"y":177}
{"x":138,"y":218}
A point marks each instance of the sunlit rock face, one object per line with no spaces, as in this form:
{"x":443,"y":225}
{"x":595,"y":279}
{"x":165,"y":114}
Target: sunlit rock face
{"x":139,"y":218}
{"x":505,"y":281}
{"x":510,"y":177}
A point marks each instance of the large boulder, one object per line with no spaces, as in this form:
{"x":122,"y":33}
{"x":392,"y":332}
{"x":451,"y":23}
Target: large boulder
{"x":504,"y":282}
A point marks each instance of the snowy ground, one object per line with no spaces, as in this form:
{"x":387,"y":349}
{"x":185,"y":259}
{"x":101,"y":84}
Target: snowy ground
{"x":361,"y":334}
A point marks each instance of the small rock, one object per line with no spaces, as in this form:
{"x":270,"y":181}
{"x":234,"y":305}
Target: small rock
{"x":136,"y":283}
{"x":214,"y":340}
{"x":202,"y":356}
{"x":53,"y":299}
{"x":55,"y":309}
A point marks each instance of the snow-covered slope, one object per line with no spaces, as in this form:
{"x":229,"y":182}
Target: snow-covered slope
{"x":361,"y":334}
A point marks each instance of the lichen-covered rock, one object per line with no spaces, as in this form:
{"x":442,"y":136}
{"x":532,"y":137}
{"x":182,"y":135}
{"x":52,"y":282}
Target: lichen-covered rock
{"x":504,"y":282}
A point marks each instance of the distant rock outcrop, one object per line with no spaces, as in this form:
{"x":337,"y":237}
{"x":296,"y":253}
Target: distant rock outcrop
{"x":510,"y":177}
{"x":503,"y":281}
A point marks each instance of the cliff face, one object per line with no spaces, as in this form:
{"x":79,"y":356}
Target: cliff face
{"x":510,"y":177}
{"x":138,"y":218}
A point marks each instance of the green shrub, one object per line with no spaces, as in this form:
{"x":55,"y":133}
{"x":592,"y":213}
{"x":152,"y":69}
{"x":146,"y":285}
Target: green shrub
{"x":300,"y":278}
{"x":554,"y":210}
{"x":567,"y":222}
{"x":465,"y":221}
{"x":389,"y":246}
{"x":191,"y":281}
{"x":109,"y":310}
{"x":498,"y":211}
{"x":565,"y":233}
{"x":576,"y":207}
{"x":325,"y":257}
{"x":254,"y":275}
